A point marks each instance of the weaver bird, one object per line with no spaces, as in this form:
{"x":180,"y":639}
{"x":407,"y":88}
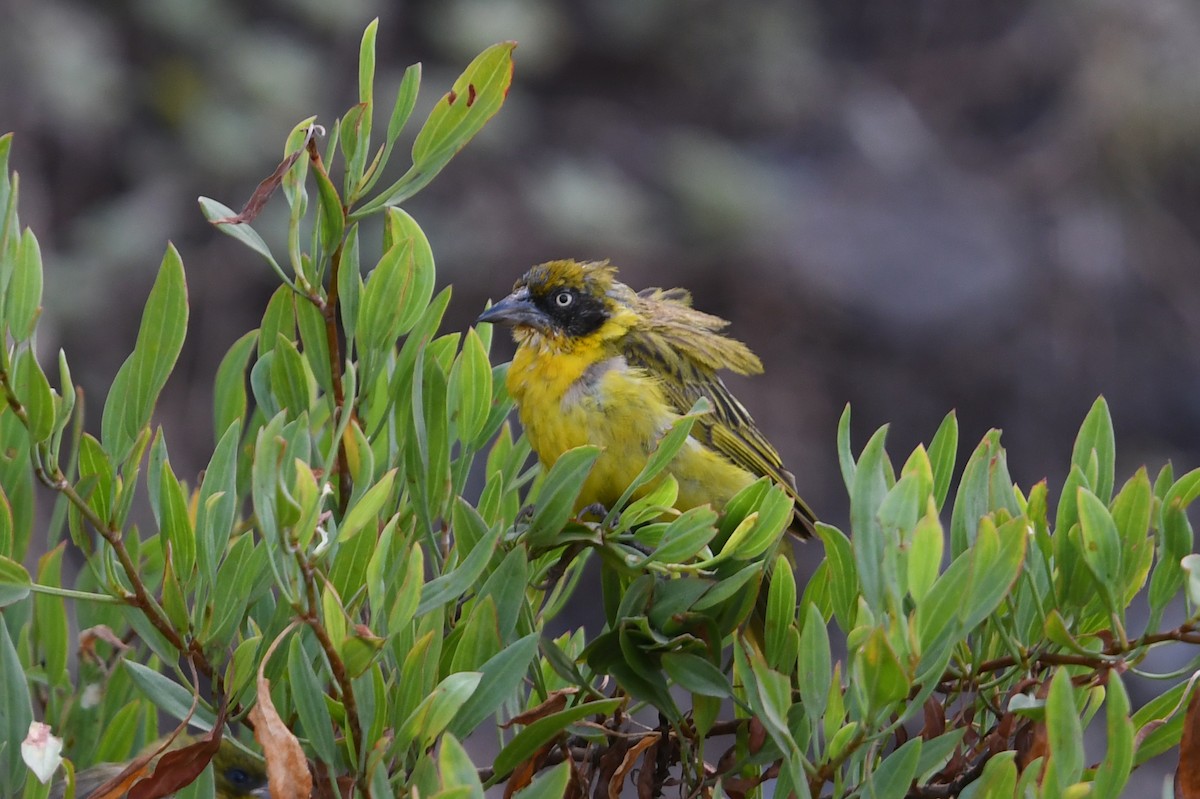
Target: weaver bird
{"x":598,"y":363}
{"x":237,"y":775}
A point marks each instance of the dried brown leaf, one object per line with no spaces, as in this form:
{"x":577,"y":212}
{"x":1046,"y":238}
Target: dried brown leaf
{"x":556,"y":701}
{"x":935,"y":719}
{"x":177,"y":768}
{"x":627,"y":761}
{"x":288,"y":776}
{"x":267,"y":186}
{"x":1187,"y":774}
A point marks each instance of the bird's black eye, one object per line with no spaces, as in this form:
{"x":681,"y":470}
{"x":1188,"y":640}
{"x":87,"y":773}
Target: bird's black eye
{"x":237,"y":777}
{"x":563,"y":299}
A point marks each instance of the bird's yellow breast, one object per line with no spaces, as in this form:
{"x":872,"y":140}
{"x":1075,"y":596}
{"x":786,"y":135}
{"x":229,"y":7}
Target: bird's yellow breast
{"x":571,"y":396}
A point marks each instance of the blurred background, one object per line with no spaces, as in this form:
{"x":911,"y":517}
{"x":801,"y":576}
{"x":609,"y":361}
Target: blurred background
{"x":910,"y":206}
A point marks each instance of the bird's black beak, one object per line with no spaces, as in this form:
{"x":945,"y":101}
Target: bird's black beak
{"x":515,"y":310}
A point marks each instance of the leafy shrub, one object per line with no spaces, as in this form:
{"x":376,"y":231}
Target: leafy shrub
{"x":327,"y":581}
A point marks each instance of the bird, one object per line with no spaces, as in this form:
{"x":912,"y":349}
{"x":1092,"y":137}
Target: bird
{"x":237,"y":775}
{"x":599,"y":363}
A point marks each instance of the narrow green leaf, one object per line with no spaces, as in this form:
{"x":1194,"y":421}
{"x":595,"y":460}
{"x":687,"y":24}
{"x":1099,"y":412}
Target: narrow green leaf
{"x":502,"y":674}
{"x":1113,"y":773}
{"x":551,"y":784}
{"x":214,"y":212}
{"x":845,"y":453}
{"x":694,"y":673}
{"x":452,"y":585}
{"x":870,"y":486}
{"x":166,"y":695}
{"x":14,"y":583}
{"x":815,"y":668}
{"x":461,"y":113}
{"x":556,"y":497}
{"x":419,"y":281}
{"x":943,"y":452}
{"x":880,"y":673}
{"x":685,"y":535}
{"x":1064,"y":732}
{"x":33,"y":391}
{"x":438,"y":709}
{"x":23,"y":300}
{"x":367,"y":509}
{"x":1096,"y":436}
{"x":533,"y":736}
{"x":141,"y":378}
{"x":925,"y":554}
{"x":16,"y":710}
{"x":895,"y":774}
{"x":781,"y":613}
{"x":229,"y":387}
{"x":1101,"y":544}
{"x":309,"y":699}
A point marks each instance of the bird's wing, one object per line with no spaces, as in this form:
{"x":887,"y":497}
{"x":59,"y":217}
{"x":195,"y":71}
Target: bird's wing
{"x":683,"y":347}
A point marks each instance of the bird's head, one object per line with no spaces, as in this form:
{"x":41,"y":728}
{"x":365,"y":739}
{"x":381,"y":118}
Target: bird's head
{"x":560,"y":300}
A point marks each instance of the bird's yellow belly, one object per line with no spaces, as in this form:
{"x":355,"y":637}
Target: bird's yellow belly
{"x":624,"y":413}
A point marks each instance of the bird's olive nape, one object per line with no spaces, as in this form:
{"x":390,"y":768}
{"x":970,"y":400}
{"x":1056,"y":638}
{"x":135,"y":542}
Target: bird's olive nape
{"x":369,"y":568}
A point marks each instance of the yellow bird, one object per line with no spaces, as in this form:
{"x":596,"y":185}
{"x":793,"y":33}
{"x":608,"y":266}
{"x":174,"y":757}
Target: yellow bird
{"x":598,"y":363}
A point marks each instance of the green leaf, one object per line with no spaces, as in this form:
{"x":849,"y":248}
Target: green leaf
{"x":879,"y":672}
{"x":1101,"y":544}
{"x":23,"y":300}
{"x":895,"y":774}
{"x":996,"y":562}
{"x":1113,"y":773}
{"x":452,"y":585}
{"x":458,"y":771}
{"x":367,"y":509}
{"x":50,"y":616}
{"x":551,"y":784}
{"x":998,"y":780}
{"x":843,"y":576}
{"x":694,"y":673}
{"x":925,"y":554}
{"x":166,"y":695}
{"x":870,"y":486}
{"x":214,"y":212}
{"x":684,"y":536}
{"x":984,"y":488}
{"x":438,"y":709}
{"x":502,"y":674}
{"x":418,"y":283}
{"x":471,"y":388}
{"x":229,"y":387}
{"x":330,"y":215}
{"x":309,"y":699}
{"x":1096,"y":436}
{"x":33,"y":390}
{"x":141,"y":378}
{"x":14,"y":584}
{"x":667,"y":448}
{"x":845,"y":453}
{"x":943,"y":452}
{"x":292,"y":383}
{"x":175,"y":524}
{"x":781,"y":614}
{"x":1064,"y":733}
{"x":461,"y":113}
{"x":815,"y":667}
{"x":556,"y":497}
{"x":218,"y":502}
{"x":537,"y":733}
{"x":16,"y":710}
